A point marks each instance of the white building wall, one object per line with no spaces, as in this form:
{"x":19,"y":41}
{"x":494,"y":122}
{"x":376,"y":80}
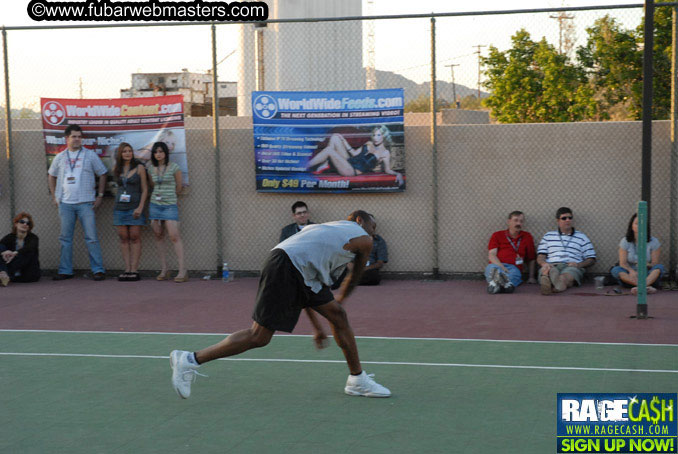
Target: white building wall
{"x":304,"y":56}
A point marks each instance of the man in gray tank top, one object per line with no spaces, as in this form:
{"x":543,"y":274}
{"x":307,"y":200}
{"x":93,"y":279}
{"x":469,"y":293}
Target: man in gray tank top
{"x":297,"y":275}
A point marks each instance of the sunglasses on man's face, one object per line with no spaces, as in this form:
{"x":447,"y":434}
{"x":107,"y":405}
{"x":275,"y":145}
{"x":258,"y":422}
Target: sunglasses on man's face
{"x":24,"y":221}
{"x":565,"y":218}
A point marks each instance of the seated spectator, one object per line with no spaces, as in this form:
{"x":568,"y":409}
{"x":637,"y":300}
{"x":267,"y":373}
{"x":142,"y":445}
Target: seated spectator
{"x":627,"y":270}
{"x":563,"y":254}
{"x":378,"y":257}
{"x":19,"y":252}
{"x":300,"y":214}
{"x":508,"y":251}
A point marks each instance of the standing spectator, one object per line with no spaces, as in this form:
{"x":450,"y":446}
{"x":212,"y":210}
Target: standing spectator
{"x":165,"y":179}
{"x":300,"y":214}
{"x":563,"y":254}
{"x":508,"y":251}
{"x":128,"y":214}
{"x":19,"y":261}
{"x":627,"y":270}
{"x":71,"y":182}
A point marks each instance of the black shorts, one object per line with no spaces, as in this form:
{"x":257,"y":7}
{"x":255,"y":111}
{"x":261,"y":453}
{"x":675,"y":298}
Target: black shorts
{"x":282,"y":294}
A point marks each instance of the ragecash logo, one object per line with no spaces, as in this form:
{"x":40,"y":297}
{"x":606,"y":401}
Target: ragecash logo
{"x":53,"y":113}
{"x":265,"y":106}
{"x":594,"y":423}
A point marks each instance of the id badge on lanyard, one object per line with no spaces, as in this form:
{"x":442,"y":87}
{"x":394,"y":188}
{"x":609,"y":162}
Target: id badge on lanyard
{"x":519,"y":259}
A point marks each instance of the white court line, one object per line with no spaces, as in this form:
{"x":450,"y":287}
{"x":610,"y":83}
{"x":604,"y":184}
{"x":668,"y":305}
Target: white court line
{"x":325,"y":361}
{"x":163,"y":333}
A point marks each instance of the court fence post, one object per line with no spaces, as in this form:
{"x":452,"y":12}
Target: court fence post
{"x":673,"y":182}
{"x":217,"y":154}
{"x":434,"y":149}
{"x":641,"y":250}
{"x":8,"y":127}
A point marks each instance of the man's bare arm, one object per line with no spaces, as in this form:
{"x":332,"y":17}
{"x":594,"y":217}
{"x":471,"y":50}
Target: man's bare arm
{"x":51,"y":182}
{"x":361,"y":247}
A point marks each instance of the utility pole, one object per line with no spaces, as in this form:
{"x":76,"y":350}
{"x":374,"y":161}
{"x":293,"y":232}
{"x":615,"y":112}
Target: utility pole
{"x":259,"y":40}
{"x":454,"y":86}
{"x":561,"y":17}
{"x":478,"y":52}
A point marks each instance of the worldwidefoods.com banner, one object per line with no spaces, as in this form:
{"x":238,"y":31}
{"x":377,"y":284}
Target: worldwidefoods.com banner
{"x":337,"y":141}
{"x":617,"y":423}
{"x":106,"y":123}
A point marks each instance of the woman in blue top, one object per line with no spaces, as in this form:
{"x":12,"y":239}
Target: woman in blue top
{"x":627,"y":270}
{"x":128,"y":213}
{"x":165,"y":179}
{"x":350,"y":161}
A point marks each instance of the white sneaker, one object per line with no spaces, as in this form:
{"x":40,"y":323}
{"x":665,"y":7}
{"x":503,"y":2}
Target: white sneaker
{"x":364,"y":385}
{"x":500,"y":278}
{"x":183,"y":373}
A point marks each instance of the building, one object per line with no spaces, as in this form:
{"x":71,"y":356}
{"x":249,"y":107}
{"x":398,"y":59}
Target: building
{"x":195,"y":87}
{"x":301,"y":56}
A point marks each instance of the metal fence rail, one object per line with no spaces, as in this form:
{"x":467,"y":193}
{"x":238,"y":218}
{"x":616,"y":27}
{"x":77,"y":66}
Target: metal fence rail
{"x":465,"y":172}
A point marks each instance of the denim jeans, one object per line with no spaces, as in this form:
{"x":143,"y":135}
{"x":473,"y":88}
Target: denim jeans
{"x":618,"y":269}
{"x":514,"y":275}
{"x":69,"y":213}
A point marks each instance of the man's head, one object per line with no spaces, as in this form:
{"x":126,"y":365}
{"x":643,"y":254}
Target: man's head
{"x":364,"y":220}
{"x":564,"y":219}
{"x":73,"y":135}
{"x":300,"y":213}
{"x":515,"y":221}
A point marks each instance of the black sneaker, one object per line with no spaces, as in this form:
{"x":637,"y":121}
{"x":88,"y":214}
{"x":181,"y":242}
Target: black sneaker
{"x":99,"y":276}
{"x":62,"y":277}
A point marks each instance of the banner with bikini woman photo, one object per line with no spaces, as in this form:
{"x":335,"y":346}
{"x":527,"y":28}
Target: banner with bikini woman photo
{"x":329,"y":141}
{"x":106,"y":123}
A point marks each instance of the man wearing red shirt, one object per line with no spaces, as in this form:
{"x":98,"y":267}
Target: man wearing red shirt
{"x":508,"y":251}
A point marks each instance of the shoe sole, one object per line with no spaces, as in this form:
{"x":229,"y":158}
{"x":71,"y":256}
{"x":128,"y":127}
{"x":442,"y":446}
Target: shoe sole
{"x":545,"y":285}
{"x":172,"y":364}
{"x":356,"y":393}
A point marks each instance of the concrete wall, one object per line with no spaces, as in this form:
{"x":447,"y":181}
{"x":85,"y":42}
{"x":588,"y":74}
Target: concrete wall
{"x":484,"y":171}
{"x":465,"y":117}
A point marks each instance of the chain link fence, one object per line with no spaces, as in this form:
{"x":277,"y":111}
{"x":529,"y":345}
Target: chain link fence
{"x":460,"y":188}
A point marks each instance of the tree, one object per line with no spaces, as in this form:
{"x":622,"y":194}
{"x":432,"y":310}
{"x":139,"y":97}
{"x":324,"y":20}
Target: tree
{"x":613,"y":60}
{"x":613,"y":63}
{"x":661,"y":80}
{"x":532,"y":82}
{"x":423,"y":104}
{"x":471,"y":102}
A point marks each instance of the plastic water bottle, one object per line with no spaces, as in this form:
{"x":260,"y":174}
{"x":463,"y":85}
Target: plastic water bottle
{"x":226,"y":275}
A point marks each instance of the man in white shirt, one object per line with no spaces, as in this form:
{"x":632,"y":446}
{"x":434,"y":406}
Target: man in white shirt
{"x":297,"y":275}
{"x":563,"y":254}
{"x":71,"y":179}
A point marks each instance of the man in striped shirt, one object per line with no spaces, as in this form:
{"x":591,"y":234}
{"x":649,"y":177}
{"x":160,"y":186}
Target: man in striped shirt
{"x":563,"y":255}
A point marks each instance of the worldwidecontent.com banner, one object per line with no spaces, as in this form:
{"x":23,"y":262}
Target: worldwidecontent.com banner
{"x":617,"y":423}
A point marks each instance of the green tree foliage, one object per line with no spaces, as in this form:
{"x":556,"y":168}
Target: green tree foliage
{"x":661,"y":81}
{"x":613,"y":62}
{"x":533,"y":83}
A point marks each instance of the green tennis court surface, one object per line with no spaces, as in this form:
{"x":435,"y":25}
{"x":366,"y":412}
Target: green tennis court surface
{"x":68,"y":392}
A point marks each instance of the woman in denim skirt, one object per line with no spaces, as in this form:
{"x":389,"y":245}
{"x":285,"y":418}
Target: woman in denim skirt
{"x":165,"y":179}
{"x":128,"y":214}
